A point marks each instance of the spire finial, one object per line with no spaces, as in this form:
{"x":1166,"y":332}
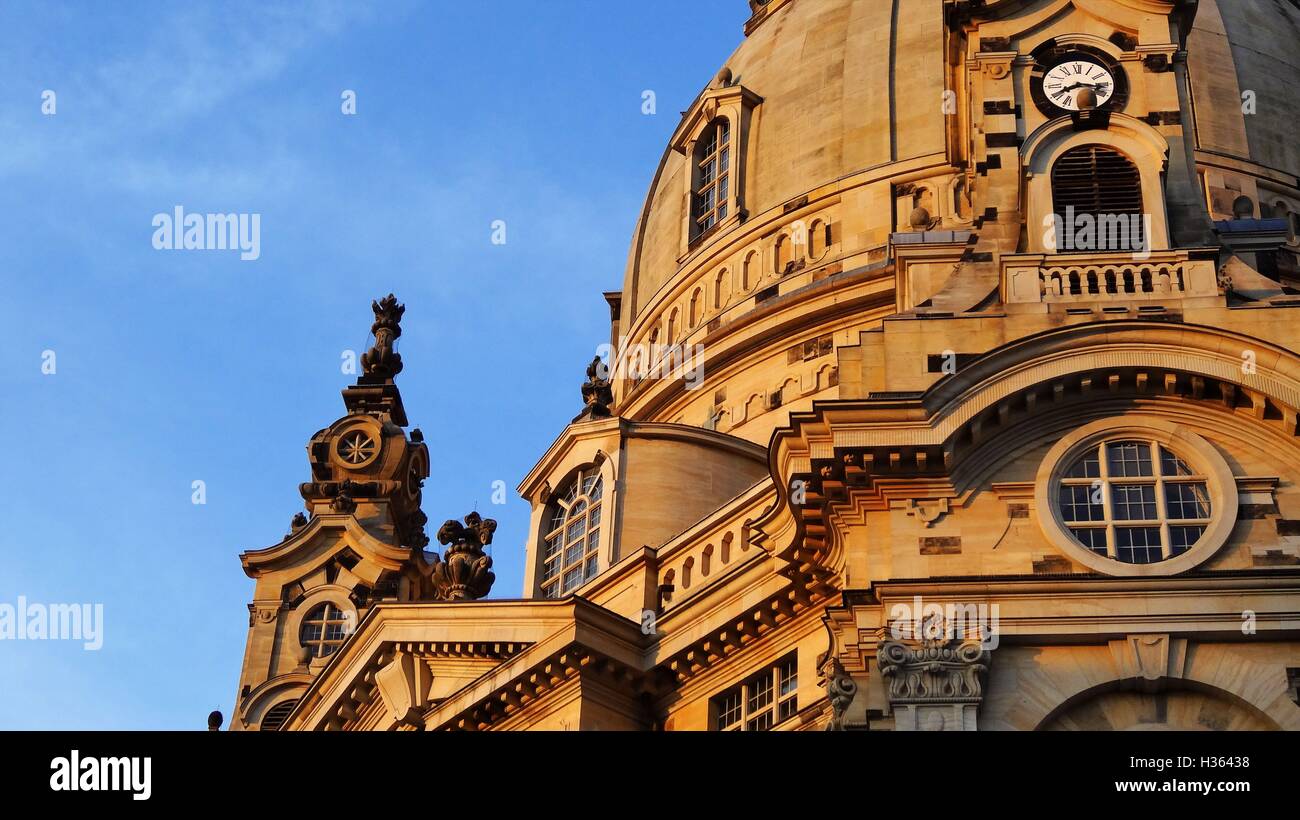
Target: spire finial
{"x":382,"y":360}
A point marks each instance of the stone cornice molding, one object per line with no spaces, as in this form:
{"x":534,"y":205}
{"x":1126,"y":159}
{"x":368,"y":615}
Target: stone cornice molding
{"x":528,"y":633}
{"x":287,"y":553}
{"x":729,"y":100}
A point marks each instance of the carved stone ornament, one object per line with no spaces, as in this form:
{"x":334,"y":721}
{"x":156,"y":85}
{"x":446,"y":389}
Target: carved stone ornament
{"x":345,"y":500}
{"x":382,"y":360}
{"x":413,"y":530}
{"x":841,"y":689}
{"x":464,"y":572}
{"x":936,"y":685}
{"x":937,"y":671}
{"x":927,"y":511}
{"x":597,"y":394}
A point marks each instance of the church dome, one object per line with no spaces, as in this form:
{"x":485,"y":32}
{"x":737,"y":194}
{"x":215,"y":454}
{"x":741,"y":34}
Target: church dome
{"x":768,"y":238}
{"x":819,"y":112}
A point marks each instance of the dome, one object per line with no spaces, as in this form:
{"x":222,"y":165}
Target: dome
{"x":819,"y":125}
{"x":769,"y":236}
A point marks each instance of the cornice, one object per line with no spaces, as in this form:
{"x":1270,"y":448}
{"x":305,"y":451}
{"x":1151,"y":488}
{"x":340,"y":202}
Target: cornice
{"x":278,"y":556}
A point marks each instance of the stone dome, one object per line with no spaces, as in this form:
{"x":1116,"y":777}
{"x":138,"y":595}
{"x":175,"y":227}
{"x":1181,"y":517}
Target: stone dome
{"x":843,"y":122}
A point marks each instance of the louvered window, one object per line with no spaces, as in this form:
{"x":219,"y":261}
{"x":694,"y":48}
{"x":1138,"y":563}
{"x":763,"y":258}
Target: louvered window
{"x":1102,"y":183}
{"x":276,"y":715}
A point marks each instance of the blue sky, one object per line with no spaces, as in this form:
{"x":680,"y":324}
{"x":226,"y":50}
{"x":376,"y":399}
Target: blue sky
{"x":176,"y":366}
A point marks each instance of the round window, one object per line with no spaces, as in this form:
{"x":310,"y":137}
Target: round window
{"x":325,"y":629}
{"x":1134,"y":501}
{"x":1136,"y":496}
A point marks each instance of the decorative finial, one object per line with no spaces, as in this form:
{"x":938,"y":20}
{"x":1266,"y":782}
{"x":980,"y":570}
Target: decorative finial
{"x":465,"y":571}
{"x":597,"y":394}
{"x":214,"y":721}
{"x":382,"y":360}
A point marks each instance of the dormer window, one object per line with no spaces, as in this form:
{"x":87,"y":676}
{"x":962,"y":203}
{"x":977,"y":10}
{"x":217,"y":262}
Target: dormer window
{"x":571,"y":553}
{"x":712,"y":167}
{"x":711,"y":138}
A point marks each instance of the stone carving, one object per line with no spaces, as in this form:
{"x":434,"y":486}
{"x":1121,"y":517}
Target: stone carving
{"x":382,"y":360}
{"x":597,"y":394}
{"x":413,"y":528}
{"x":936,"y":671}
{"x":841,"y":689}
{"x":464,"y":572}
{"x":345,"y":500}
{"x":404,"y":686}
{"x":928,"y":511}
{"x":936,"y":685}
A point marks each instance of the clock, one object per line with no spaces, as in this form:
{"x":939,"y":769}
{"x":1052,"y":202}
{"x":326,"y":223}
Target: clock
{"x":1062,"y":83}
{"x":1061,"y":71}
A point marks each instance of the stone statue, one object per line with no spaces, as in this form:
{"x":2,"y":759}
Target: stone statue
{"x":597,"y":394}
{"x":464,"y":572}
{"x":382,"y":360}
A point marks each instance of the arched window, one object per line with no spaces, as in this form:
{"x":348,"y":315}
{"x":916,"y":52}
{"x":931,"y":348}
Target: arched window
{"x":697,"y":307}
{"x":1100,"y":182}
{"x":671,"y":338}
{"x":573,"y":536}
{"x":712,"y":180}
{"x":325,"y":629}
{"x":1134,"y":501}
{"x":749,"y":271}
{"x":277,"y":715}
{"x":719,"y":283}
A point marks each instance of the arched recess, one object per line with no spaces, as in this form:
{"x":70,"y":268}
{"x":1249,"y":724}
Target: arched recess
{"x":1193,"y":708}
{"x":1141,"y":144}
{"x":1037,"y":686}
{"x":271,"y":693}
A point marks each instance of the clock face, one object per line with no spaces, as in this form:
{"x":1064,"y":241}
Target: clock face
{"x":1062,"y":84}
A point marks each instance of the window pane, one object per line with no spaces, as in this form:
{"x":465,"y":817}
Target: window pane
{"x":760,"y":693}
{"x":1134,"y":502}
{"x":1129,"y":459}
{"x":760,"y":723}
{"x":576,"y":529}
{"x":789,"y":678}
{"x":1181,"y":539}
{"x":786,"y":710}
{"x":553,"y":547}
{"x":1138,"y":545}
{"x":596,"y":487}
{"x":1094,"y":538}
{"x":1088,"y":466}
{"x":1172,"y":465}
{"x":1187,"y":500}
{"x":728,"y":709}
{"x":573,"y":579}
{"x":1076,"y":504}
